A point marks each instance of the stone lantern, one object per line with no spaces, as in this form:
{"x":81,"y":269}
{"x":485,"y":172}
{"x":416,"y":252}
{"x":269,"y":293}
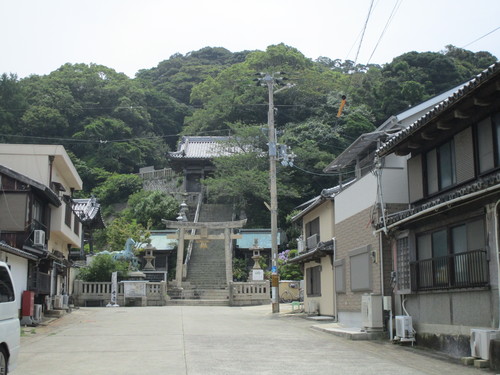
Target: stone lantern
{"x":149,"y":257}
{"x":257,"y":272}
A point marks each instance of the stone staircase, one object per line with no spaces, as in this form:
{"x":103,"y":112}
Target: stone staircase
{"x":206,"y":274}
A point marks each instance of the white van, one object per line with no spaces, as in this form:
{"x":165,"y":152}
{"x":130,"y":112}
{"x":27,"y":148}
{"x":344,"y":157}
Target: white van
{"x":10,"y":329}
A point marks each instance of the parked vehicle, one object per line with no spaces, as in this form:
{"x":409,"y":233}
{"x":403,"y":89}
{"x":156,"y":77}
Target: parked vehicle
{"x":10,"y":329}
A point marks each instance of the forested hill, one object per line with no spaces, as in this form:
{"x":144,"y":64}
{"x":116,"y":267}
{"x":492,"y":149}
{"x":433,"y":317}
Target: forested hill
{"x":112,"y":123}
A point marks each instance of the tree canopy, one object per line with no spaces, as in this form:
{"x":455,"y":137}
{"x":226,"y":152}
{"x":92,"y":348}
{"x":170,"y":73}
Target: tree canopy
{"x":112,"y":124}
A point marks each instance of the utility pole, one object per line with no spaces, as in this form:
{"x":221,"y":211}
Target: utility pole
{"x":269,"y":81}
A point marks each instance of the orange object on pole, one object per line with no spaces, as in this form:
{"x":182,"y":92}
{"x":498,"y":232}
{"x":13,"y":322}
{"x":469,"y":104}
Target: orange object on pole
{"x":342,"y":104}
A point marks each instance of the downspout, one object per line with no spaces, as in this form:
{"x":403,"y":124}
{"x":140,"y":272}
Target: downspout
{"x":378,"y":174}
{"x":335,"y":310}
{"x":497,"y":257}
{"x":51,"y":164}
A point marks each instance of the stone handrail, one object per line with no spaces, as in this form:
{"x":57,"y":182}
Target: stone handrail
{"x":99,"y":293}
{"x":249,"y":293}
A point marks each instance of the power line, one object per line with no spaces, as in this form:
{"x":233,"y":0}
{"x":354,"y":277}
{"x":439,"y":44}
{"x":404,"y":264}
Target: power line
{"x":389,"y":20}
{"x":481,"y":37}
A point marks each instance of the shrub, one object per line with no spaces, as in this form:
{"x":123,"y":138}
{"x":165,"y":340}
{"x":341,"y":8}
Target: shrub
{"x":101,"y":268}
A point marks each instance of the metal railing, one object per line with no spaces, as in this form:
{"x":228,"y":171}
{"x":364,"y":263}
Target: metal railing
{"x":193,"y":232}
{"x":463,"y":270}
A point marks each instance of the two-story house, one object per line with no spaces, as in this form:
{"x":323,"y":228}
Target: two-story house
{"x":363,"y":260}
{"x":24,"y":204}
{"x":52,"y":226}
{"x":316,"y":252}
{"x":445,"y":242}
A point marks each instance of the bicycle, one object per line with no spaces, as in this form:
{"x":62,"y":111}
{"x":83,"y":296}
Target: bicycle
{"x":286,"y":297}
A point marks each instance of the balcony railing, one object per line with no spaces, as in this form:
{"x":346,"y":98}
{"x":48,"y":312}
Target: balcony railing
{"x":464,"y":270}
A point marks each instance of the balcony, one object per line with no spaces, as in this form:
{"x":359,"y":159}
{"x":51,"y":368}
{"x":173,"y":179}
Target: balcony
{"x":463,"y":270}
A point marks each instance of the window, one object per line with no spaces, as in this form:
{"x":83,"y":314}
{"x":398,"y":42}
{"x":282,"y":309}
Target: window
{"x":312,"y":227}
{"x":441,"y":171}
{"x":313,"y":281}
{"x":6,"y":287}
{"x":360,"y":262}
{"x":403,"y":264}
{"x":67,"y":216}
{"x":452,"y":257}
{"x":312,"y":233}
{"x":488,"y":143}
{"x":339,"y":266}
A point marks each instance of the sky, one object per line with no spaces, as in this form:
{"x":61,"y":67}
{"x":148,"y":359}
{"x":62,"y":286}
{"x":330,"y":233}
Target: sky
{"x":41,"y":35}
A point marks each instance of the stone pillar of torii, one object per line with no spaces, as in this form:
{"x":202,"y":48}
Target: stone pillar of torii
{"x":203,"y":237}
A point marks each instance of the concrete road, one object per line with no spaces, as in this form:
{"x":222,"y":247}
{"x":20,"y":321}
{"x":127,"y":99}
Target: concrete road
{"x":209,"y":340}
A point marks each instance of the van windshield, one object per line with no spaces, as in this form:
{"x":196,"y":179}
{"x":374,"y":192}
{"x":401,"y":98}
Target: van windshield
{"x":6,"y":287}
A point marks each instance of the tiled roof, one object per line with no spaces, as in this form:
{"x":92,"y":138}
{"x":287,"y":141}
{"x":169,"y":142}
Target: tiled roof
{"x":326,"y":194}
{"x":201,"y":148}
{"x":15,"y":251}
{"x":45,"y":190}
{"x":160,"y":241}
{"x":89,"y":211}
{"x":323,"y":249}
{"x":248,"y":236}
{"x":454,"y":98}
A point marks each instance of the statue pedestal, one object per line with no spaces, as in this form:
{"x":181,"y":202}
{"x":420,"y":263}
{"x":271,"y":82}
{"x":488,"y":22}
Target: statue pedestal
{"x":135,"y":290}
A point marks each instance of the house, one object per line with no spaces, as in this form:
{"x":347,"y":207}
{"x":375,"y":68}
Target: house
{"x":363,"y":260}
{"x":316,"y":252}
{"x":445,"y":242}
{"x":41,"y":220}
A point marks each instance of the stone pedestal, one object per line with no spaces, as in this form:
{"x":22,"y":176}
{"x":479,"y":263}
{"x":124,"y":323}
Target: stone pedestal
{"x":135,"y":290}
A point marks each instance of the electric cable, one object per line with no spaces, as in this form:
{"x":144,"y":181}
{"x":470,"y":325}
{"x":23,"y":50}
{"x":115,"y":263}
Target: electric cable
{"x":481,"y":37}
{"x":389,"y":20}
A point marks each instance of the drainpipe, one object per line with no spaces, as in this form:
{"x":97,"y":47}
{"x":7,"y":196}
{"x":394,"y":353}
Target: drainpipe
{"x":497,"y":257}
{"x":335,"y":309}
{"x":51,"y":164}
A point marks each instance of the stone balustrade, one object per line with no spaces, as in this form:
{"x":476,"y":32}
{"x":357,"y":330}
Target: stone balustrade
{"x":249,"y":293}
{"x":99,"y":293}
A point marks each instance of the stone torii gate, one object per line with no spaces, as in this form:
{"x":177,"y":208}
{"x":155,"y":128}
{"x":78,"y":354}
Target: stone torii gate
{"x":204,"y":237}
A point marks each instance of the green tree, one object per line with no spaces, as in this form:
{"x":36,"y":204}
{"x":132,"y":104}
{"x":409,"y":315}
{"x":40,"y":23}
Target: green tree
{"x":286,"y":270}
{"x":121,"y":229}
{"x":148,"y":208}
{"x":117,"y":188}
{"x":101,"y":268}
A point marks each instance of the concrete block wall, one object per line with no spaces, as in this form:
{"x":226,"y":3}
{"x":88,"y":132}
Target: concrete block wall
{"x":352,"y":233}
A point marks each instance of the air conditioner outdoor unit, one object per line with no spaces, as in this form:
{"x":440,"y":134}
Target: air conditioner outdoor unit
{"x":39,"y":238}
{"x":312,"y":307}
{"x":58,"y":302}
{"x":371,"y":312}
{"x":480,"y":342}
{"x":37,"y":315}
{"x":404,"y":328}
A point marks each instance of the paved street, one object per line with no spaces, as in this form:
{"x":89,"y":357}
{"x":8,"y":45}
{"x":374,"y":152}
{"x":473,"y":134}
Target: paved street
{"x":209,"y":340}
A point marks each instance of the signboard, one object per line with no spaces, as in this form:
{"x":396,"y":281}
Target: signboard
{"x":114,"y":287}
{"x":134,"y":289}
{"x":257,"y":275}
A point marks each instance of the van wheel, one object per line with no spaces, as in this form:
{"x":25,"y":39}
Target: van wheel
{"x":3,"y":361}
